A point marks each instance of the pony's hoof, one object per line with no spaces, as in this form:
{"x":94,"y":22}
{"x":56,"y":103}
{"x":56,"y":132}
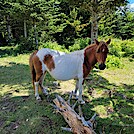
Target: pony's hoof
{"x":74,"y":95}
{"x":45,"y":92}
{"x":38,"y":98}
{"x":82,"y":102}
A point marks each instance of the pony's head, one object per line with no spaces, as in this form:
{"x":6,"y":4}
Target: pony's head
{"x":101,"y":53}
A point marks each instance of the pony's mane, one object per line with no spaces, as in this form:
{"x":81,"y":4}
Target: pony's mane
{"x":90,"y":46}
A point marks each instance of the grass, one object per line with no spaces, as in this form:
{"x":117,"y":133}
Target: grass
{"x":110,"y":93}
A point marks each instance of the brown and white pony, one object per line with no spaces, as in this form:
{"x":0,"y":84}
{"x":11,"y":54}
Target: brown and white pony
{"x":62,"y":66}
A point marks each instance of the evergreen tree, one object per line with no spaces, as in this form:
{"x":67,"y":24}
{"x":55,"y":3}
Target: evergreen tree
{"x":119,"y":24}
{"x":97,"y":9}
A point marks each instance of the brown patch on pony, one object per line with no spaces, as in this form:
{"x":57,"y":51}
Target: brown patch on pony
{"x":35,"y":68}
{"x":49,"y":62}
{"x":87,"y":65}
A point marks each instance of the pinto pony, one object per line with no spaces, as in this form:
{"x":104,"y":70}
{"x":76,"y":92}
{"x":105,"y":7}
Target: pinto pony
{"x":62,"y":66}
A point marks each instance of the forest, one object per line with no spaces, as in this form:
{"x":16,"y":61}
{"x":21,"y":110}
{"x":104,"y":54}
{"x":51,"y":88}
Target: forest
{"x":66,"y":25}
{"x":28,"y":23}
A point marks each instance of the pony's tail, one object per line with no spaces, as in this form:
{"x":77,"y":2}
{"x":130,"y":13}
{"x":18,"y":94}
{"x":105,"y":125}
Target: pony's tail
{"x":32,"y":69}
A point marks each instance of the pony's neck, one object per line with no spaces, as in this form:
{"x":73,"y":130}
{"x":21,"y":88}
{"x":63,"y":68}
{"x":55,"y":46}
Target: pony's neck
{"x":89,"y":59}
{"x":90,"y":54}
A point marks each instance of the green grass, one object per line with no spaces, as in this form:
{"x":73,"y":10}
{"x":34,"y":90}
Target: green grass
{"x":20,"y":113}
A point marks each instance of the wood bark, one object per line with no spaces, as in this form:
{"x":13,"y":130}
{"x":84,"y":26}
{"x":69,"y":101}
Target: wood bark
{"x":25,"y":29}
{"x":35,"y":36}
{"x":9,"y":28}
{"x":77,"y":124}
{"x":94,"y":28}
{"x":94,"y":21}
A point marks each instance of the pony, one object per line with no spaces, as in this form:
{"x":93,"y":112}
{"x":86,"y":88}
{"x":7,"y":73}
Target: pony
{"x":65,"y":66}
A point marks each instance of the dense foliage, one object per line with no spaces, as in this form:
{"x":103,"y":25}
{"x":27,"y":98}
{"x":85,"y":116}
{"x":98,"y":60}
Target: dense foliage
{"x":30,"y":22}
{"x":64,"y":25}
{"x":120,"y":25}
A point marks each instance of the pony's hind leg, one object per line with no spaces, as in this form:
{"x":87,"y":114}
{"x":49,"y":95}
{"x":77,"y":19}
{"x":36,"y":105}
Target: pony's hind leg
{"x":44,"y":89}
{"x":39,"y":72}
{"x":36,"y":84}
{"x":35,"y":68}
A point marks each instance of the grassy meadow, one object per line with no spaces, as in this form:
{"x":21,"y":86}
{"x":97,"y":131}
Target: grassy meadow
{"x":109,"y":93}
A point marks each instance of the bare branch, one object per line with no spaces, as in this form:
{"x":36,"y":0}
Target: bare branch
{"x":80,"y":111}
{"x":92,"y":120}
{"x":77,"y":124}
{"x":66,"y":129}
{"x":70,"y":97}
{"x":93,"y":117}
{"x":74,"y":104}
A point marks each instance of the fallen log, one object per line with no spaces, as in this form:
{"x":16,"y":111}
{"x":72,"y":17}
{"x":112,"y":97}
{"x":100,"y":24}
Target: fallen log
{"x":76,"y":122}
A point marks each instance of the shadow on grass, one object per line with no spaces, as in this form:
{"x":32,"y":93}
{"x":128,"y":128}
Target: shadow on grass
{"x":19,"y":112}
{"x":114,"y":105}
{"x":18,"y":107}
{"x":14,"y":74}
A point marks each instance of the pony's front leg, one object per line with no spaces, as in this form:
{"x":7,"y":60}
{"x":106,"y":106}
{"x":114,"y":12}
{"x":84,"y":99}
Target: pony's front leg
{"x":80,"y":85}
{"x":36,"y":90}
{"x":75,"y":92}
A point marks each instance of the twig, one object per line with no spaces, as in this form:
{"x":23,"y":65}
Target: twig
{"x":74,"y":105}
{"x":70,"y":97}
{"x":66,"y":129}
{"x":80,"y":111}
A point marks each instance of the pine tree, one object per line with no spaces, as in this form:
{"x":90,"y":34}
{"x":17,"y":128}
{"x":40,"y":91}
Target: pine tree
{"x":97,"y":9}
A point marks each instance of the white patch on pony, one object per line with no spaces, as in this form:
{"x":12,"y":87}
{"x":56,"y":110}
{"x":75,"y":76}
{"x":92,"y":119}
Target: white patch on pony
{"x":103,"y":50}
{"x":67,"y":66}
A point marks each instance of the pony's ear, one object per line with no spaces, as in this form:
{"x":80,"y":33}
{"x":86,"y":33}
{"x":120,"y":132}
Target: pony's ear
{"x":108,"y":42}
{"x":96,"y":42}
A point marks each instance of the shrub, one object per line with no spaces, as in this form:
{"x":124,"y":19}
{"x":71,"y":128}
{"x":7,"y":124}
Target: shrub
{"x":74,"y":47}
{"x":113,"y":62}
{"x":53,"y":45}
{"x":121,"y":48}
{"x":115,"y":47}
{"x":79,"y":44}
{"x":25,"y":45}
{"x":128,"y":47}
{"x":83,"y":42}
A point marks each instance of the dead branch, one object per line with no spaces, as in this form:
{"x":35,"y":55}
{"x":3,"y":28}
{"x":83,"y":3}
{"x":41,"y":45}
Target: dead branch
{"x":77,"y":123}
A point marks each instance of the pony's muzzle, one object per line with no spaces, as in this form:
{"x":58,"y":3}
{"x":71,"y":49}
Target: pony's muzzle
{"x":102,"y":66}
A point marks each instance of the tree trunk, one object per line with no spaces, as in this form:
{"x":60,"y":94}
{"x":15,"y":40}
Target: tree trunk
{"x":35,"y":36}
{"x":9,"y":28}
{"x":94,"y":22}
{"x":25,"y":29}
{"x":94,"y":28}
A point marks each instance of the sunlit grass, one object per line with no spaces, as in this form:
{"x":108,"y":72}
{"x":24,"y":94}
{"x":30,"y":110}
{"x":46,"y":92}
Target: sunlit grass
{"x":120,"y":76}
{"x":20,"y":113}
